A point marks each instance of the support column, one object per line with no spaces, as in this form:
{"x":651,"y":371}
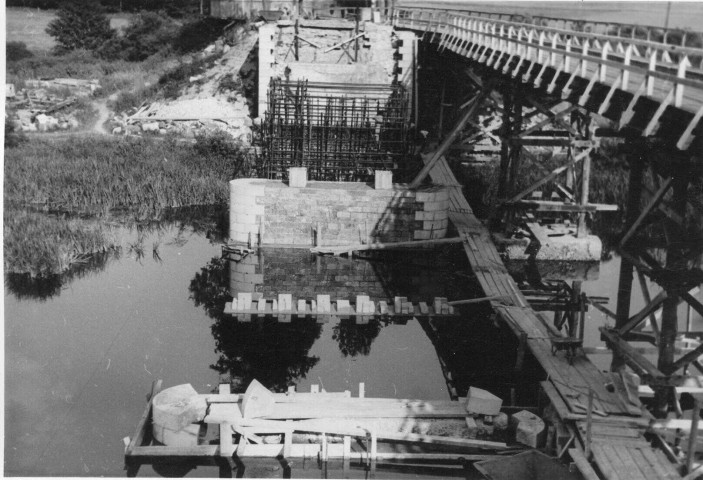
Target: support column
{"x":637,"y":163}
{"x":675,"y":261}
{"x":506,"y":133}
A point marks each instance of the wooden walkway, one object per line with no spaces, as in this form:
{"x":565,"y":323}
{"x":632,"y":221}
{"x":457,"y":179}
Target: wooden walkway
{"x":618,"y":414}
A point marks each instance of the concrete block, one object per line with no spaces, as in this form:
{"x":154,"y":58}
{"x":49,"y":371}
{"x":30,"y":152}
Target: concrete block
{"x":360,"y":301}
{"x":177,"y":407}
{"x":244,"y":300}
{"x":343,"y":306}
{"x":301,"y":306}
{"x":482,"y":402}
{"x":285,"y":302}
{"x":323,"y":304}
{"x":529,"y":429}
{"x":298,"y":177}
{"x":258,"y":401}
{"x":383,"y":180}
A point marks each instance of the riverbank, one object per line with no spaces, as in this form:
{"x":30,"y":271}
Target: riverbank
{"x":61,"y":193}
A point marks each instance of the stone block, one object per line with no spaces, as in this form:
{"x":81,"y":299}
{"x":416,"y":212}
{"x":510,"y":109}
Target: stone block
{"x":298,"y":177}
{"x":529,"y":429}
{"x":258,"y":401}
{"x":482,"y":402}
{"x":177,"y":407}
{"x":301,"y":306}
{"x":421,"y":235}
{"x":383,"y":180}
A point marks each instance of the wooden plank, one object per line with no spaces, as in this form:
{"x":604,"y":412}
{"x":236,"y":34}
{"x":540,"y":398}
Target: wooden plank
{"x":642,"y":463}
{"x":145,"y":418}
{"x":582,"y":464}
{"x":623,"y":453}
{"x":663,"y":468}
{"x":163,"y":451}
{"x":621,"y":470}
{"x":604,"y":463}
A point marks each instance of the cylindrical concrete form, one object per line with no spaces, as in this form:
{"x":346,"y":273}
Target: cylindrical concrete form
{"x":246,"y":210}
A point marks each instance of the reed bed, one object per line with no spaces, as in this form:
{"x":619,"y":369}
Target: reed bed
{"x":43,"y":245}
{"x":92,"y":175}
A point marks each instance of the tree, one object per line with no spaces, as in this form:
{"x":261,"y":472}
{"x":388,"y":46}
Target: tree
{"x":80,"y":24}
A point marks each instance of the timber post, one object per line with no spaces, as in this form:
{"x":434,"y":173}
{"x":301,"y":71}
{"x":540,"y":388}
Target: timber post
{"x":675,"y":261}
{"x":636,"y":161}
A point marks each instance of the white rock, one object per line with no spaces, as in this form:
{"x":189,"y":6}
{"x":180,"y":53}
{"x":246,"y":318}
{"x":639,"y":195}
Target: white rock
{"x":258,"y":401}
{"x":177,"y":407}
{"x":117,"y":130}
{"x":150,"y":127}
{"x":482,"y":402}
{"x":529,"y":428}
{"x":500,"y":421}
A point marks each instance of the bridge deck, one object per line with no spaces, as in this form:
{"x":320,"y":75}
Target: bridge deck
{"x":620,"y":415}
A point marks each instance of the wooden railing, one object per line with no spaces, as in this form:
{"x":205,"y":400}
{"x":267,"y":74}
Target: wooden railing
{"x":670,"y":75}
{"x":671,"y":36}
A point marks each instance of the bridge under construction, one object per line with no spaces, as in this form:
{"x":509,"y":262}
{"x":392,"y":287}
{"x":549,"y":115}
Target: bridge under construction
{"x":510,"y":88}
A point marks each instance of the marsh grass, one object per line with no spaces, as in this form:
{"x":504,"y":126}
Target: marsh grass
{"x":64,"y":198}
{"x":42,"y":245}
{"x":93,"y":175}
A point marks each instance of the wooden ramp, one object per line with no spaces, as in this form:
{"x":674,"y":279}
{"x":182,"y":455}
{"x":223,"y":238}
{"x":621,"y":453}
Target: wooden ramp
{"x":617,"y":407}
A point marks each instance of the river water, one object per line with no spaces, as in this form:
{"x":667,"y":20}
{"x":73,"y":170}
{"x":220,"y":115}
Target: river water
{"x":81,"y":356}
{"x":82,"y":352}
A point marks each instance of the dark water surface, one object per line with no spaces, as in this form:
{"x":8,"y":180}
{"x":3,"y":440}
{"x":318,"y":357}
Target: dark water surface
{"x":80,"y":358}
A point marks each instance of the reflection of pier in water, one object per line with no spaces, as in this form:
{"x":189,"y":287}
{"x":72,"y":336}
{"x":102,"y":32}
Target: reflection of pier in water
{"x":470,"y":350}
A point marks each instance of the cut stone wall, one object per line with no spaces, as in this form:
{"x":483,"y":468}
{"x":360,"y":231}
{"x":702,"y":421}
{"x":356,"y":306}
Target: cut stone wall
{"x":273,"y":271}
{"x":269,"y":212}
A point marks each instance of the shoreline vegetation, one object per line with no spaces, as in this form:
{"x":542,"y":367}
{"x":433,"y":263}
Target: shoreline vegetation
{"x":63,"y":197}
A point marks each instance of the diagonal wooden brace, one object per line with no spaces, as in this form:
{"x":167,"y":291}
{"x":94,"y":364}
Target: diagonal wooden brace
{"x":478,"y":100}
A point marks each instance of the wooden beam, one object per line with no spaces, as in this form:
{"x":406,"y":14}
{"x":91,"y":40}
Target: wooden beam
{"x":344,"y":42}
{"x":648,"y":299}
{"x":688,"y":298}
{"x":646,"y":311}
{"x":693,"y":435}
{"x":383,"y":246}
{"x":550,"y":177}
{"x":636,"y":361}
{"x":146,"y":416}
{"x":551,"y":118}
{"x":652,"y":203}
{"x":552,"y":206}
{"x":478,"y":100}
{"x":686,"y":359}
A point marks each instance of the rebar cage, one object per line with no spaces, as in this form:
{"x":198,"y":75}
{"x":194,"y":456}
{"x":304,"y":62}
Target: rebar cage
{"x":340,"y":132}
